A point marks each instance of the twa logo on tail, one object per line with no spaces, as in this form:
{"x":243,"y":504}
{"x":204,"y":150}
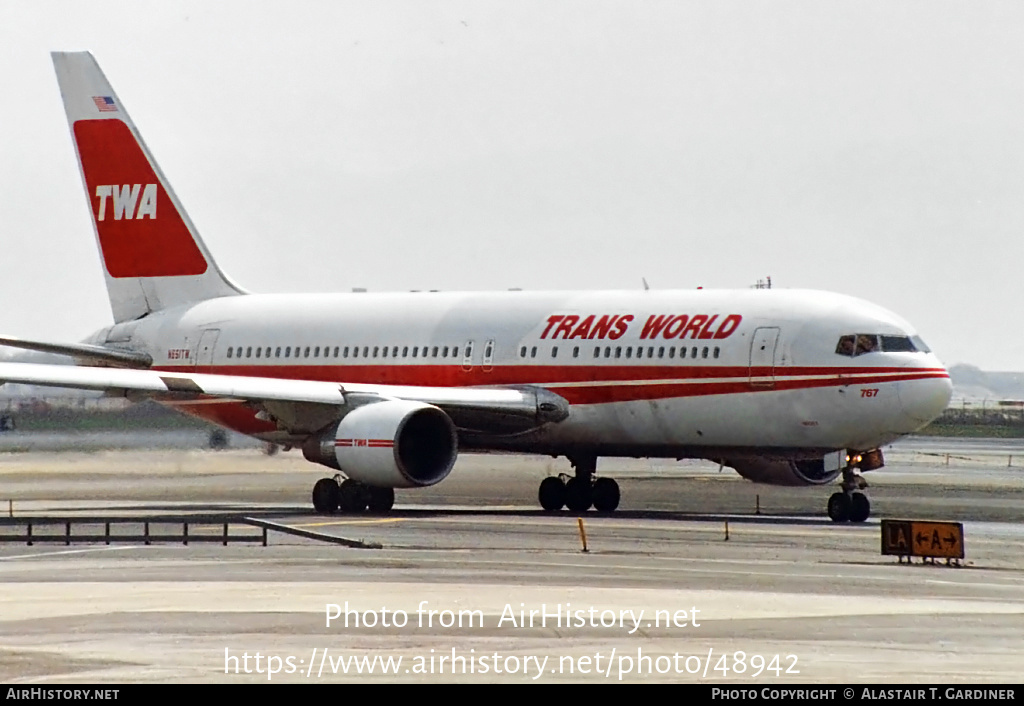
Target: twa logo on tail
{"x":125,"y":198}
{"x":124,"y":190}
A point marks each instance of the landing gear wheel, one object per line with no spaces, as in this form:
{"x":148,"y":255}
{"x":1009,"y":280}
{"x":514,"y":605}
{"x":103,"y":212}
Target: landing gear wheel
{"x":860,"y":507}
{"x":839,"y":507}
{"x":380,"y":499}
{"x":326,"y":495}
{"x":579,"y":495}
{"x":354,"y":497}
{"x":552,"y":494}
{"x":606,"y":495}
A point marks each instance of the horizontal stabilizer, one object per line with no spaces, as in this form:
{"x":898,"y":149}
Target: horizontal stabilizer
{"x":85,"y":353}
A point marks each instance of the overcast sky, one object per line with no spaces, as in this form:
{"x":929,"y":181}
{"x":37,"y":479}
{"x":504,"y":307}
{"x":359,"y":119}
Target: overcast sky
{"x":870,"y":148}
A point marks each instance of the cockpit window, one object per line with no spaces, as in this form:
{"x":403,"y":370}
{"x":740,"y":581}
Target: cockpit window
{"x":845,"y":346}
{"x":898,"y":344}
{"x":855,"y":344}
{"x":866,"y":343}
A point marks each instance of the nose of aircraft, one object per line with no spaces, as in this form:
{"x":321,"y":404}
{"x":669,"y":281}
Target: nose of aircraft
{"x":925,"y":398}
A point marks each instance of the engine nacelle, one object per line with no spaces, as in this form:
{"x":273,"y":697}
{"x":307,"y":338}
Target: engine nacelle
{"x":392,"y":444}
{"x":773,"y":471}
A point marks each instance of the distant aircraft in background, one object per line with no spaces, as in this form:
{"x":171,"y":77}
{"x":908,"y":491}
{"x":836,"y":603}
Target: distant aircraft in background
{"x":786,"y":387}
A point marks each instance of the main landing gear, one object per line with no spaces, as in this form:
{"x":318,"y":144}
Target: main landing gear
{"x":331,"y":495}
{"x":581,"y":492}
{"x":850,"y":505}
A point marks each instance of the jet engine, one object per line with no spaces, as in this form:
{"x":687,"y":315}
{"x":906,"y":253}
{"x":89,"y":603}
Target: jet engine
{"x":773,"y":471}
{"x":391,"y":444}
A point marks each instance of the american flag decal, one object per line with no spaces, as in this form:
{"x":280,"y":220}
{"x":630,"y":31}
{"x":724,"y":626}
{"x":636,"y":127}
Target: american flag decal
{"x":105,"y":104}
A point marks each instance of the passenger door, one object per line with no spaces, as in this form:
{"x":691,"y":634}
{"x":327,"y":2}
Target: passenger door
{"x":762,"y":357}
{"x":205,"y":348}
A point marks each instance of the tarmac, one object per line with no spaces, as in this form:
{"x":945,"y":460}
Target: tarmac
{"x":699,"y":577}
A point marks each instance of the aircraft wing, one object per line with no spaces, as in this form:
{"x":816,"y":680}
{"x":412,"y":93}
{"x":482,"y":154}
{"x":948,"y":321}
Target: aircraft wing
{"x":299,"y":405}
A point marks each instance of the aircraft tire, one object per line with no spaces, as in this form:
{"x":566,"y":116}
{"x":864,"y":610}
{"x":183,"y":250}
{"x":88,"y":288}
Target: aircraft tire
{"x":579,"y":495}
{"x":326,"y":495}
{"x":551,"y":494}
{"x":839,"y":507}
{"x":380,"y":499}
{"x":606,"y":495}
{"x":860,"y":507}
{"x":354,"y":497}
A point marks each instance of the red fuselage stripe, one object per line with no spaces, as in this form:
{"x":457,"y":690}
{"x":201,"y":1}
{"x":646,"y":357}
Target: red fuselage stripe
{"x":433,"y":375}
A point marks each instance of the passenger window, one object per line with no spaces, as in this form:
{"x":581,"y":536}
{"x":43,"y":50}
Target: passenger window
{"x":434,"y":352}
{"x":366,"y":351}
{"x":618,"y":351}
{"x":704,"y":353}
{"x":336,"y":351}
{"x":533,"y":352}
{"x":385,"y":352}
{"x":455,"y":351}
{"x":554,"y":351}
{"x":672,"y":352}
{"x":444,"y":354}
{"x":316,"y":352}
{"x":415,"y":350}
{"x":248,"y":352}
{"x":629,"y":351}
{"x":230,"y":351}
{"x":355,"y":351}
{"x":522,"y":352}
{"x":344,"y":352}
{"x":716,"y":351}
{"x":682,"y":352}
{"x":405,"y":351}
{"x":277,"y":352}
{"x":576,"y":352}
{"x":597,"y":351}
{"x":661,"y":351}
{"x":693,"y":352}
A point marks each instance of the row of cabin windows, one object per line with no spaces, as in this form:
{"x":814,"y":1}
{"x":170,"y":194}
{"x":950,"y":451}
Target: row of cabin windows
{"x":619,"y":352}
{"x":345,"y":352}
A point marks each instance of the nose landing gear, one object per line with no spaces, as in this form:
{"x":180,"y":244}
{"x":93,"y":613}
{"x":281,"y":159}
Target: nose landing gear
{"x":850,"y":505}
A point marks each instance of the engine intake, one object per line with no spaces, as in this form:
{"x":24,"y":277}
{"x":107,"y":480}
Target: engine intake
{"x":393,"y":444}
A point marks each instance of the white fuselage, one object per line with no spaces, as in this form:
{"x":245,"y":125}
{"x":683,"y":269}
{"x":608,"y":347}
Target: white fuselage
{"x":744,"y":371}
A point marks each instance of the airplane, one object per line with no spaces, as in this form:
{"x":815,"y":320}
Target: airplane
{"x":787,"y":387}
